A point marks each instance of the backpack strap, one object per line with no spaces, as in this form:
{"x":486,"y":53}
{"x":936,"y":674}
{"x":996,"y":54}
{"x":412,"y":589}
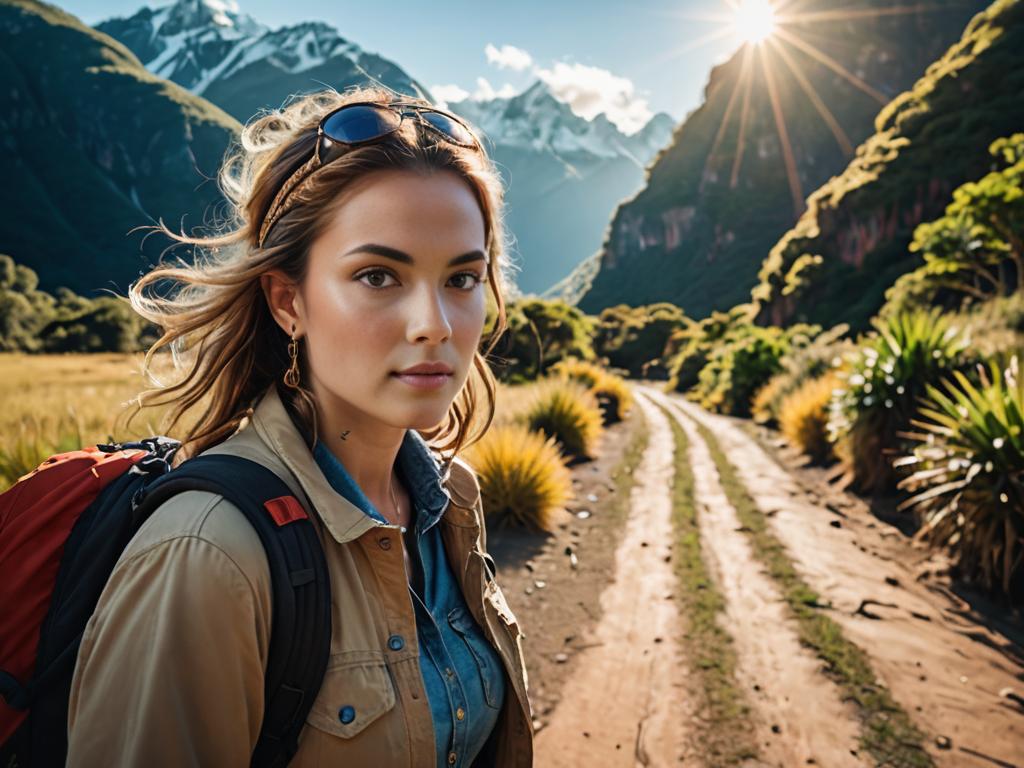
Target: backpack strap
{"x":301,"y":624}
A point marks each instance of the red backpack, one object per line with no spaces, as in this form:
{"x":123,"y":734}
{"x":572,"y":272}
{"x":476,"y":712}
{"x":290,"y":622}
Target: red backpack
{"x":63,"y":527}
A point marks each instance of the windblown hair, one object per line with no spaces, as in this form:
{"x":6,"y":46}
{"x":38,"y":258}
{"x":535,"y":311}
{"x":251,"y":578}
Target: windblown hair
{"x":218,"y":325}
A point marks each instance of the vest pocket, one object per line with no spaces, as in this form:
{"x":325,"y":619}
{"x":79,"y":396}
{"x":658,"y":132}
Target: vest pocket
{"x":465,"y":625}
{"x":353,"y":695}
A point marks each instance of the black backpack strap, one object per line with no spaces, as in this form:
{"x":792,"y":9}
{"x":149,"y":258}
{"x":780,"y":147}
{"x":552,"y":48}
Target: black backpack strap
{"x":301,"y":625}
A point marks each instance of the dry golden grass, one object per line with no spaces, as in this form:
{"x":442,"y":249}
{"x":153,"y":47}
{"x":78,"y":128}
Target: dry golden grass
{"x":57,"y":403}
{"x":803,"y":416}
{"x":568,"y":411}
{"x":513,"y":401}
{"x":523,"y":478}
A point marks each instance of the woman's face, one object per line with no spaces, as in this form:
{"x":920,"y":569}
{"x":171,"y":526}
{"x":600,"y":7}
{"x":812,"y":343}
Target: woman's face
{"x":398,"y":278}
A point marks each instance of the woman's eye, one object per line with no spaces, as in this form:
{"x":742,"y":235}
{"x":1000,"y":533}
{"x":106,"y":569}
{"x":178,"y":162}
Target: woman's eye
{"x":374,"y":279}
{"x":376,"y":275}
{"x":476,"y":277}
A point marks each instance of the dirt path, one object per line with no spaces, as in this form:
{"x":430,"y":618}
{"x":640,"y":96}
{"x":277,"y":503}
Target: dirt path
{"x":949,"y":671}
{"x":801,"y":718}
{"x":622,"y":705}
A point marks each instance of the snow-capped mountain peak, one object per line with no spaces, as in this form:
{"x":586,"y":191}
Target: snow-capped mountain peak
{"x":535,"y":119}
{"x":196,"y":43}
{"x":192,"y":16}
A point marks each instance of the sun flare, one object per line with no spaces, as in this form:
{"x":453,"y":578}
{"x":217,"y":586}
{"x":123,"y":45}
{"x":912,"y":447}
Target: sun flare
{"x":754,"y":21}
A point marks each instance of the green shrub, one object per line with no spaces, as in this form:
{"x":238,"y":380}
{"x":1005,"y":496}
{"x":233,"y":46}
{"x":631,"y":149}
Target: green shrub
{"x":689,"y":348}
{"x":879,"y":391}
{"x":540,"y":333}
{"x":973,"y":252}
{"x":740,"y":367}
{"x":632,"y":337}
{"x":968,"y":478}
{"x":809,"y":358}
{"x":34,"y":321}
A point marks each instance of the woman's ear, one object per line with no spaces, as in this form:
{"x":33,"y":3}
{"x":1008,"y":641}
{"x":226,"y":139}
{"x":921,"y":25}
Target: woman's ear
{"x":284,"y":301}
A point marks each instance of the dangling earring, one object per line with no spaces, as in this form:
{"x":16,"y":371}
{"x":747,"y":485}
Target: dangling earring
{"x":291,"y":376}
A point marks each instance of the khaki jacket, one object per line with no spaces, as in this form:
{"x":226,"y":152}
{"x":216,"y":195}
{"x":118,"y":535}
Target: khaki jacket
{"x":170,"y":670}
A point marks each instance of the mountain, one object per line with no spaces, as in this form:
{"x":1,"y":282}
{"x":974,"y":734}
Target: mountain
{"x":232,"y":60}
{"x":777,"y":121}
{"x":836,"y":263}
{"x":535,"y":120}
{"x":563,"y":175}
{"x":95,"y":146}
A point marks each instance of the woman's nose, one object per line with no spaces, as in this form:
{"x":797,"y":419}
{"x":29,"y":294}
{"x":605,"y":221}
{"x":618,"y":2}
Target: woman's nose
{"x":428,"y":317}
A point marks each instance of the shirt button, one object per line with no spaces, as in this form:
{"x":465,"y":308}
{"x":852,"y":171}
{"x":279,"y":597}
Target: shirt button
{"x":451,"y":758}
{"x":449,"y":671}
{"x":385,"y":542}
{"x":347,"y":714}
{"x":396,"y":643}
{"x":460,"y":713}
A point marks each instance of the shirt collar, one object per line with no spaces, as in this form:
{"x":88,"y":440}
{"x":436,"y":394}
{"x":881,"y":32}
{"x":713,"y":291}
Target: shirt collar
{"x":419,"y":467}
{"x":273,"y":438}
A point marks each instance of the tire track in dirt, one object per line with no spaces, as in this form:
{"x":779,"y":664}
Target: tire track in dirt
{"x":946,"y":670}
{"x":783,"y":680}
{"x":623,"y":705}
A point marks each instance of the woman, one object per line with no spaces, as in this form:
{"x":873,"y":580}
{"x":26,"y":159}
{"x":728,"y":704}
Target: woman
{"x":334,"y":330}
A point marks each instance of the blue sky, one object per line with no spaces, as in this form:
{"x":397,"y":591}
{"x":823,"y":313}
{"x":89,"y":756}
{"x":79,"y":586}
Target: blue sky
{"x":626,"y":59}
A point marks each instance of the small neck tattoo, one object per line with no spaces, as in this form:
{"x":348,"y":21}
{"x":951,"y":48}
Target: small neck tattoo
{"x":344,"y":435}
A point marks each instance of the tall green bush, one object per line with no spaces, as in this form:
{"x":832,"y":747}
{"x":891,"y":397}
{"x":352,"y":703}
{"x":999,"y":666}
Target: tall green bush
{"x":967,"y":474}
{"x":540,"y":333}
{"x":879,"y":390}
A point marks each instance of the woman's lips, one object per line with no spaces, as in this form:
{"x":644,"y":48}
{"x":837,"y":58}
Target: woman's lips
{"x":423,"y":380}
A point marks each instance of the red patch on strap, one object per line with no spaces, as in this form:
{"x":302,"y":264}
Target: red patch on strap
{"x":285,"y":509}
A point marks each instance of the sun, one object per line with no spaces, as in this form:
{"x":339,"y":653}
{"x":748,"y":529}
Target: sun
{"x":754,"y":21}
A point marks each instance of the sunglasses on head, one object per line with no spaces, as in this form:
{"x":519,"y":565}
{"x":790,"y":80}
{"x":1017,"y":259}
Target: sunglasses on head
{"x":361,"y":123}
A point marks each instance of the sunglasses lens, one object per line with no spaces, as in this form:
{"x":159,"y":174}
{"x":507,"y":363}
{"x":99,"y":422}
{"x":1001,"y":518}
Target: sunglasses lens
{"x":452,"y":128}
{"x":360,"y":123}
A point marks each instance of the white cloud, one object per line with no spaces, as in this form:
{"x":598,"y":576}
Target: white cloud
{"x":485,"y":91}
{"x":508,"y":57}
{"x":592,"y":90}
{"x":448,"y":93}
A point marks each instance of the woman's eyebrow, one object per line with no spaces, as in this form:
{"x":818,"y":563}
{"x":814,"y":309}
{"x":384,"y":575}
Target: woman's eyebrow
{"x":396,"y":255}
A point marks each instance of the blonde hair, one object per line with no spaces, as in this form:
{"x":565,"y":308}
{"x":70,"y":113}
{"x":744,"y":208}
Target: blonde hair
{"x":220,"y":320}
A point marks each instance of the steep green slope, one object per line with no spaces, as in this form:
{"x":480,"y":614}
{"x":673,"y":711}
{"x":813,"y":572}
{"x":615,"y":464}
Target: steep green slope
{"x":95,"y":146}
{"x":851,"y":244}
{"x":718,"y":199}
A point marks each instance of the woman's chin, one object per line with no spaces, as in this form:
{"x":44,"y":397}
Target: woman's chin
{"x":422,"y":418}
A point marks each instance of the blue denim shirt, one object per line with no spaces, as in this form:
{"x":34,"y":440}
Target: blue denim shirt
{"x":462,"y":674}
